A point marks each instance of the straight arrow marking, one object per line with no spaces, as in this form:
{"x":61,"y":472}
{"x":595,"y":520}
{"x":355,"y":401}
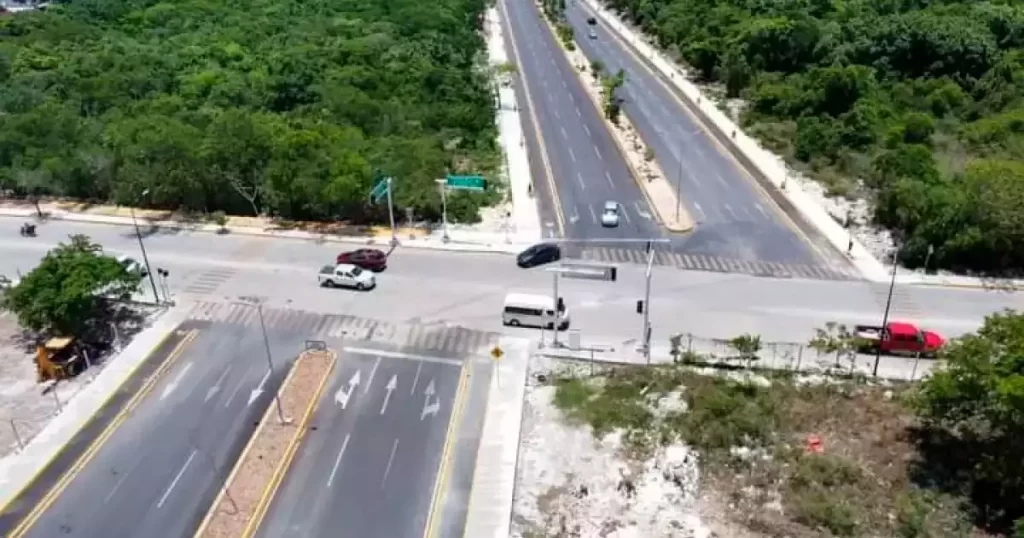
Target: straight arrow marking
{"x":392,"y":385}
{"x":428,"y":407}
{"x":259,"y":389}
{"x":342,"y":396}
{"x":212,"y":391}
{"x":177,"y":380}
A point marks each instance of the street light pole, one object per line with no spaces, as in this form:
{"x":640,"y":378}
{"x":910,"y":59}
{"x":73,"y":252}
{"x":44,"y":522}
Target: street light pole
{"x":270,"y":361}
{"x":142,"y":247}
{"x":391,"y":215}
{"x":554,"y":322}
{"x":679,"y":181}
{"x":647,"y":308}
{"x":885,"y":316}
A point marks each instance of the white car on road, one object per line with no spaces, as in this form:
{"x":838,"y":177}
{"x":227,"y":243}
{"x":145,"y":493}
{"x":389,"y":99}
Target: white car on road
{"x":610,"y":214}
{"x":346,"y":275}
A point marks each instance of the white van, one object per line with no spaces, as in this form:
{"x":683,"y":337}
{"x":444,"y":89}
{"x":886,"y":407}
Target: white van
{"x":527,"y":310}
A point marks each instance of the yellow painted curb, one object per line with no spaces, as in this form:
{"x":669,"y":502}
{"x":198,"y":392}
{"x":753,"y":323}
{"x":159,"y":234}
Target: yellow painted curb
{"x":103,"y":437}
{"x":618,"y":144}
{"x":289,"y":455}
{"x":443,"y":468}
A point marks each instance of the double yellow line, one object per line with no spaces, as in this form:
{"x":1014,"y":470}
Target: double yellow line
{"x":441,"y":482}
{"x":97,"y":444}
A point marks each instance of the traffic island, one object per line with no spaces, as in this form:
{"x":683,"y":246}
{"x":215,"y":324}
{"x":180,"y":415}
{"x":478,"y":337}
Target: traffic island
{"x":239,"y":508}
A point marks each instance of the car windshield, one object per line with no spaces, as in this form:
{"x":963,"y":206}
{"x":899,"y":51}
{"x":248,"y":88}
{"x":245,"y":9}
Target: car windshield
{"x":356,"y":271}
{"x":609,"y":211}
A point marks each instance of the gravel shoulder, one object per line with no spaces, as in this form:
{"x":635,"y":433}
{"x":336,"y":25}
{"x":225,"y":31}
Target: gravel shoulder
{"x":250,"y":488}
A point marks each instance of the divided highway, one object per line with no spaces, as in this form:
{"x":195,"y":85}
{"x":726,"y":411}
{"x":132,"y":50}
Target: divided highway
{"x":736,"y":220}
{"x":585,"y":163}
{"x":156,"y":470}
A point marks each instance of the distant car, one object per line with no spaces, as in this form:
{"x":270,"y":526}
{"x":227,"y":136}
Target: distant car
{"x":132,"y":266}
{"x":539,"y":254}
{"x":591,"y":21}
{"x":592,"y":34}
{"x":370,"y":259}
{"x":610,"y":215}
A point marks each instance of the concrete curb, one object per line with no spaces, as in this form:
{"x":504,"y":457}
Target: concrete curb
{"x":511,"y":248}
{"x":674,"y":227}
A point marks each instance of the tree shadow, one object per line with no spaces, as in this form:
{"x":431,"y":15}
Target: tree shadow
{"x":983,"y":472}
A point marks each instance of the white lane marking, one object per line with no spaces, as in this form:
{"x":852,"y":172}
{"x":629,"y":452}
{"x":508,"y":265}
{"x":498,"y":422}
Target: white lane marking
{"x":416,"y":379}
{"x":373,"y":372}
{"x":593,"y":214}
{"x":564,"y":87}
{"x":555,"y":111}
{"x":721,"y":180}
{"x":730,"y":211}
{"x":399,"y":355}
{"x":174,"y":482}
{"x":700,"y":211}
{"x":210,"y":392}
{"x":587,"y":129}
{"x":579,"y":177}
{"x":337,"y":460}
{"x":391,"y":459}
{"x":116,"y":486}
{"x":564,"y":135}
{"x":578,"y":113}
{"x":238,"y":387}
{"x":609,"y":178}
{"x":598,"y":152}
{"x":761,"y":210}
{"x":572,"y":155}
{"x":625,"y":214}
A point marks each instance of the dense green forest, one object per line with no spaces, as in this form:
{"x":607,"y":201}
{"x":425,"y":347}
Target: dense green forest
{"x":276,"y":107}
{"x":917,"y":103}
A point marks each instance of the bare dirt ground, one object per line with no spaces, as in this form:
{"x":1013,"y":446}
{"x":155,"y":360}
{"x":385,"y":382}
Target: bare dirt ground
{"x":669,"y":452}
{"x":265,"y":460}
{"x":26,"y":405}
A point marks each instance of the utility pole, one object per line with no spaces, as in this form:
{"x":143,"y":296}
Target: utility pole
{"x":142,"y":247}
{"x":442,"y":183}
{"x":679,"y":181}
{"x":554,"y":322}
{"x":645,"y":335}
{"x":885,"y":316}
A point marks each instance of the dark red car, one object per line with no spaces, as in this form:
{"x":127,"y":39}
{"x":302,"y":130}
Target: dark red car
{"x":370,"y":259}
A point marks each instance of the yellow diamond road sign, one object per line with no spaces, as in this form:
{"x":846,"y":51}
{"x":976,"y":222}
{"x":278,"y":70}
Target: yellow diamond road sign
{"x":497,"y":352}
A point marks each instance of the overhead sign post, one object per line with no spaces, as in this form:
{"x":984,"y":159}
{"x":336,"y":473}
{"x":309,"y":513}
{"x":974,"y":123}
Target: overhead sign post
{"x":380,"y":189}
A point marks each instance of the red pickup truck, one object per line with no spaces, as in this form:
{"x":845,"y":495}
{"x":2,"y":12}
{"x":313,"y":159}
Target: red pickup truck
{"x":898,"y":337}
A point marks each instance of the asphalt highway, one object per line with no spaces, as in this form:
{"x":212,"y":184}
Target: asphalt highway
{"x":369,"y":466}
{"x":586,"y":165}
{"x":424,"y":286}
{"x":157,"y":474}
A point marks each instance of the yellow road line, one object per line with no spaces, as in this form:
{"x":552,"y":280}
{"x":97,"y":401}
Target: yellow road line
{"x":94,"y":448}
{"x":556,"y":200}
{"x":444,"y":466}
{"x":724,"y":151}
{"x":289,"y":455}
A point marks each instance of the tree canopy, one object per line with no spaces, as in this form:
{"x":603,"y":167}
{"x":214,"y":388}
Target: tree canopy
{"x":69,"y":292}
{"x":289,"y":109}
{"x":919,"y":104}
{"x":973,"y":417}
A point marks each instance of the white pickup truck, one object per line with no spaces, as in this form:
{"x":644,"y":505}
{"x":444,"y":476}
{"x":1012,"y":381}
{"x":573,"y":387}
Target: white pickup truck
{"x":346,"y":276}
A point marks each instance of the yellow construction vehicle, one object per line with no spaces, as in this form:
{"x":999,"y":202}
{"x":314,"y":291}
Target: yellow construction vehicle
{"x":58,"y":358}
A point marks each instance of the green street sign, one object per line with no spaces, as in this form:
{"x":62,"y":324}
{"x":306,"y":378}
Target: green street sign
{"x":469,"y":183}
{"x":379,"y":190}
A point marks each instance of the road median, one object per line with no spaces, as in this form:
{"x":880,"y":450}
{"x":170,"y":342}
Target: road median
{"x":243,"y":501}
{"x":643,"y":166}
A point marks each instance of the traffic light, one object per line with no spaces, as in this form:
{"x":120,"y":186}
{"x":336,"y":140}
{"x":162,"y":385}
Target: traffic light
{"x":640,"y":306}
{"x":647,"y":248}
{"x":613,"y":273}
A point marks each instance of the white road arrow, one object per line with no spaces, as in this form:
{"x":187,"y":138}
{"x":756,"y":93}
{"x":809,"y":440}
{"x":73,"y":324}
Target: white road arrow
{"x":177,"y":381}
{"x":430,"y":408}
{"x":212,"y":391}
{"x":341,"y":397}
{"x":259,"y":389}
{"x":642,"y":213}
{"x":392,"y":385}
{"x":574,"y":217}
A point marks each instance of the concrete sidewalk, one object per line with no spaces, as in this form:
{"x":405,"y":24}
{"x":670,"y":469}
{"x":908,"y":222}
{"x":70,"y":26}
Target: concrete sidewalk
{"x":19,"y":469}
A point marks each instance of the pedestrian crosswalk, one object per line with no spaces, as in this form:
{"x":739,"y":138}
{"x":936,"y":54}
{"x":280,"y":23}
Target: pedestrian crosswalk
{"x":700,"y":262}
{"x":433,"y":337}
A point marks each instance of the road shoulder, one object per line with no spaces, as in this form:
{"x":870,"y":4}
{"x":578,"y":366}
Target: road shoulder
{"x":248,"y":491}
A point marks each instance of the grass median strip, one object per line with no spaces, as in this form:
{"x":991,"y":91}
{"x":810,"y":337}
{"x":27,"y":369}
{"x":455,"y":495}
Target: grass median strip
{"x":249,"y":490}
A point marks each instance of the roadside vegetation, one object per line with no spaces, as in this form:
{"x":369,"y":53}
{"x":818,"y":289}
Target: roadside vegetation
{"x":918,"y":106}
{"x":275,"y":108}
{"x":805,"y":457}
